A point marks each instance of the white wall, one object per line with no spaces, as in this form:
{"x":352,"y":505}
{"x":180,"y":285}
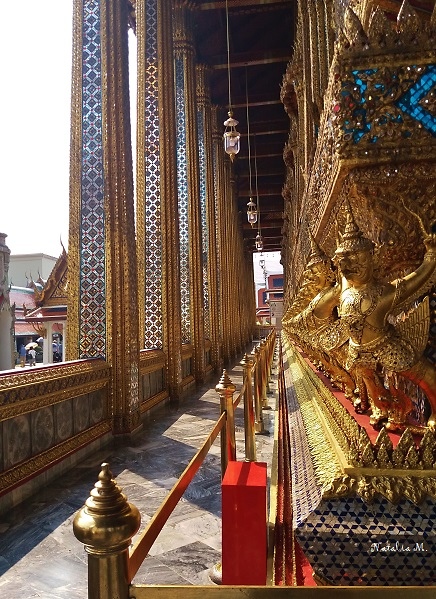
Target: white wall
{"x":32,"y":265}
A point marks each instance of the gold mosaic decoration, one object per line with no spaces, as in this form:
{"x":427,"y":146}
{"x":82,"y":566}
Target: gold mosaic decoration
{"x":345,"y":460}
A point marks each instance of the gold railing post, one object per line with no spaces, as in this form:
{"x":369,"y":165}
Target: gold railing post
{"x":268,"y":359}
{"x":226,"y":388}
{"x":106,"y":525}
{"x":250,"y":445}
{"x":264,"y":362}
{"x":258,"y":422}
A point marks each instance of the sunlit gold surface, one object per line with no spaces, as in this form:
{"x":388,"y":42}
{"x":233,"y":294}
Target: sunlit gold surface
{"x":27,"y":391}
{"x":106,"y":525}
{"x":349,"y":320}
{"x":225,"y":388}
{"x":346,"y":462}
{"x":388,"y":180}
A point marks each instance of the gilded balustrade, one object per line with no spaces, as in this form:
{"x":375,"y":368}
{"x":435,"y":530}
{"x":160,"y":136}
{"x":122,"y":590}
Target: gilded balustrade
{"x":58,"y":414}
{"x":107,"y":522}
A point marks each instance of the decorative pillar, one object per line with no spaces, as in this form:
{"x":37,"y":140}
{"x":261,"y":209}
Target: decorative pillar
{"x":64,"y":340}
{"x":208,"y":214}
{"x":103,"y":301}
{"x":150,"y":182}
{"x":226,"y":231}
{"x":47,"y":345}
{"x":219,"y":198}
{"x":250,"y":444}
{"x":232,"y":274}
{"x":157,"y":213}
{"x":225,"y":388}
{"x":191,"y":259}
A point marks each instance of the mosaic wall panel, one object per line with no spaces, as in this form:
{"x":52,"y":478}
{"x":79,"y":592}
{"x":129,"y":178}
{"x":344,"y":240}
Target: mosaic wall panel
{"x":186,"y":367}
{"x":80,"y":414}
{"x":371,"y":115}
{"x":153,"y":238}
{"x":349,"y":542}
{"x":92,"y":304}
{"x":204,"y":227}
{"x":28,"y":435}
{"x":182,"y":191}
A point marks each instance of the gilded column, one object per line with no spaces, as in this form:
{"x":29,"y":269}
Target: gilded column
{"x":219,"y":197}
{"x":234,"y":274}
{"x":227,"y":295}
{"x":103,"y":303}
{"x":171,"y":304}
{"x":157,"y":211}
{"x":189,"y":188}
{"x":208,"y":215}
{"x":150,"y":185}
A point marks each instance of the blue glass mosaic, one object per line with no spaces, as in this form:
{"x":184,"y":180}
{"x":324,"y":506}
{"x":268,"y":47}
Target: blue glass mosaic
{"x":367,"y":107}
{"x":204,"y":227}
{"x":182,"y":191}
{"x":350,"y":543}
{"x":153,"y":237}
{"x":413,"y":102}
{"x":92,"y":301}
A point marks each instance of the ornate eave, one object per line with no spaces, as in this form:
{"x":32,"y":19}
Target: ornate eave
{"x":54,"y":292}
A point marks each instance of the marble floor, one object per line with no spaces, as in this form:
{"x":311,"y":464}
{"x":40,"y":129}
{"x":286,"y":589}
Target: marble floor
{"x":39,"y":554}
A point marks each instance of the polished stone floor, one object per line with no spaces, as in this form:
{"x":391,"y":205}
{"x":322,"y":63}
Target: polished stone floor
{"x":39,"y":554}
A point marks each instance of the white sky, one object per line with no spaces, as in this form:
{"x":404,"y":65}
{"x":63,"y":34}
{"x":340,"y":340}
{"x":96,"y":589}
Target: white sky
{"x":272,"y":266}
{"x":35,"y":67}
{"x":35,"y":63}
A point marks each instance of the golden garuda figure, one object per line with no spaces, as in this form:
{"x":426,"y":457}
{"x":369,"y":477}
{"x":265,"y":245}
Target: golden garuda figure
{"x":355,"y":320}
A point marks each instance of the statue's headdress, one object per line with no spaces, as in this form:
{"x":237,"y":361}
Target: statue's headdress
{"x":317,"y":255}
{"x":352,"y":239}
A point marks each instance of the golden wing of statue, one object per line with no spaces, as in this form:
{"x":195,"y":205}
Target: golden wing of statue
{"x":406,"y":303}
{"x":415,"y":325}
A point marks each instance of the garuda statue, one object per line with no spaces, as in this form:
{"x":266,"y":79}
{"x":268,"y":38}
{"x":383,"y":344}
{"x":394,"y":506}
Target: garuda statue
{"x":352,"y":321}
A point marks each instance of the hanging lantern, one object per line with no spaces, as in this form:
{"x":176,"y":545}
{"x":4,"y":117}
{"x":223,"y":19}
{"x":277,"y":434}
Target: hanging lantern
{"x":252,"y":212}
{"x":231,"y":136}
{"x":259,"y":243}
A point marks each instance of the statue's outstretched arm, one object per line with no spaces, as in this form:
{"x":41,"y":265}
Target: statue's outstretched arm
{"x":327,"y":302}
{"x":417,"y":283}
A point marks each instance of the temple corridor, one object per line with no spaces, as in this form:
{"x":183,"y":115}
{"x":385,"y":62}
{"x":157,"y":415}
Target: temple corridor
{"x":39,"y":555}
{"x":333,"y":166}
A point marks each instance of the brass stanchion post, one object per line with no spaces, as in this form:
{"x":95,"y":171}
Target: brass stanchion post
{"x":106,"y":525}
{"x":264,"y":362}
{"x":258,"y":423}
{"x":250,"y":445}
{"x":226,"y":388}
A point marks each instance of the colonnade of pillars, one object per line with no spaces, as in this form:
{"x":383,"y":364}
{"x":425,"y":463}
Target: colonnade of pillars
{"x":171,"y":269}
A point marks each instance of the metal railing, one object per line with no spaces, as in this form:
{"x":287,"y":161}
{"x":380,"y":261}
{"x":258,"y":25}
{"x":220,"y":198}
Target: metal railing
{"x":107,"y":522}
